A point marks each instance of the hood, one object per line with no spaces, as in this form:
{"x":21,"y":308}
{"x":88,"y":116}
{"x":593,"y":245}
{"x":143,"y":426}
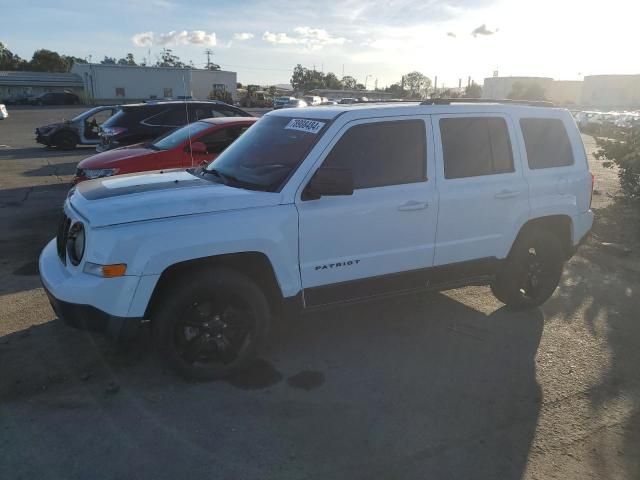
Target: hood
{"x":154,"y":195}
{"x":50,"y":126}
{"x":111,"y":158}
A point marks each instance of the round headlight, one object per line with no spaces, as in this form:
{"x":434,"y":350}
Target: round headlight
{"x":75,"y":243}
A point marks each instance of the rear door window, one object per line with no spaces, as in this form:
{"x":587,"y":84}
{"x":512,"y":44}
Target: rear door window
{"x":546,"y":142}
{"x":475,"y":146}
{"x":171,"y":117}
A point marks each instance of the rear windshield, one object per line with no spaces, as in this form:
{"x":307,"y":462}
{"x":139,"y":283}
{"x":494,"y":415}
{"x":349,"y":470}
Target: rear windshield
{"x":179,"y":136}
{"x":266,"y":155}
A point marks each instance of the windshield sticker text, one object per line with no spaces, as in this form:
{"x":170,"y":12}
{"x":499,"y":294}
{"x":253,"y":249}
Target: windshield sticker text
{"x":310,"y":126}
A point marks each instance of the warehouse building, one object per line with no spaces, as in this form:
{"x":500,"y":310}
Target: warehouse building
{"x":611,"y":91}
{"x":497,"y":88}
{"x":125,"y":84}
{"x":35,"y":83}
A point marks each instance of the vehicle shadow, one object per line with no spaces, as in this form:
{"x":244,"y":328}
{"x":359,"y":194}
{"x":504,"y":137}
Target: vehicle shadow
{"x":418,"y":386}
{"x":31,"y":153}
{"x":603,"y":292}
{"x":28,"y":221}
{"x":56,"y":169}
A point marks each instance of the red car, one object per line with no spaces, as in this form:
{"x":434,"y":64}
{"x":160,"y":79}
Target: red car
{"x":192,"y":145}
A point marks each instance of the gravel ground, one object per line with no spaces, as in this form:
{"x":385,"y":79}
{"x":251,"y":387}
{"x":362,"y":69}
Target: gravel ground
{"x":442,"y":386}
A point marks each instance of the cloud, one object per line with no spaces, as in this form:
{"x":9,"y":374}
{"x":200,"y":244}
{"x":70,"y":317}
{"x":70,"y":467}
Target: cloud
{"x":308,"y":37}
{"x":451,"y":34}
{"x":483,"y":30}
{"x":192,"y":37}
{"x":242,"y":36}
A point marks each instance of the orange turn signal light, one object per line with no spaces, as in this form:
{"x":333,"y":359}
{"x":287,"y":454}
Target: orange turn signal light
{"x":116,"y":270}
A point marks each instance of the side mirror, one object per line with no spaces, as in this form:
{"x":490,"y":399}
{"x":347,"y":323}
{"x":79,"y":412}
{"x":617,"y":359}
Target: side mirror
{"x":198,"y":148}
{"x":329,"y":181}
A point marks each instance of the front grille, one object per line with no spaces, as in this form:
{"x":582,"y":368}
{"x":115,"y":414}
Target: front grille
{"x":63,"y":235}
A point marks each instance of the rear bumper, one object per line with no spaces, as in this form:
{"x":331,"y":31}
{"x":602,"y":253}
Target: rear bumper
{"x":582,"y":224}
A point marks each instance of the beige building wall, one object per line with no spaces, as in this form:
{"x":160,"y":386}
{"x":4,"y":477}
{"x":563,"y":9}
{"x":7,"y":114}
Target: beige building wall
{"x":565,"y":92}
{"x":612,"y":91}
{"x":497,"y":88}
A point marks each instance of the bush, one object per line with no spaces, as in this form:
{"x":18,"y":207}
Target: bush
{"x":625,"y":154}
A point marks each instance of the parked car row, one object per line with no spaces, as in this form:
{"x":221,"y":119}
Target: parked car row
{"x":595,"y":121}
{"x":48,"y":98}
{"x":195,"y":144}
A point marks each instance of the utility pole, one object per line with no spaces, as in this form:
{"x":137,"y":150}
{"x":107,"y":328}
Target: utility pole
{"x":208,"y":52}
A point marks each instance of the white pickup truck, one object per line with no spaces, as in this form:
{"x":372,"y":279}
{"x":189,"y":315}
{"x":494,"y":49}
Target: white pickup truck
{"x":323,"y":206}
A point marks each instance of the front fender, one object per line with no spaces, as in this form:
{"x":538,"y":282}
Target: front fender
{"x":149,"y":248}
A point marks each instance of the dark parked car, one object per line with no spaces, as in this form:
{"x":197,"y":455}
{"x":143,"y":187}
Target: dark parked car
{"x":55,"y":98}
{"x":82,"y":129}
{"x":141,"y":122}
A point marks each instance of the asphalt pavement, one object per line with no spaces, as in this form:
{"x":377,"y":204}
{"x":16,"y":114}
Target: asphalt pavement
{"x":448,"y":385}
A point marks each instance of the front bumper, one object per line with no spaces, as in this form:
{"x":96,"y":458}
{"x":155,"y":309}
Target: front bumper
{"x":44,"y":139}
{"x":86,"y":301}
{"x":87,"y":317}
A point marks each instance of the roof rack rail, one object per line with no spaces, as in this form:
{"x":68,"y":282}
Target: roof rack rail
{"x":449,"y":101}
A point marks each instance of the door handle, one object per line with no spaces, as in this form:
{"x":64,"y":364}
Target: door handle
{"x":413,"y":205}
{"x":507,"y":194}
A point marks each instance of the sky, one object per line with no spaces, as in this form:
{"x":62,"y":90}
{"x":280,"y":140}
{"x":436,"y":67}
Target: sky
{"x":369,"y":40}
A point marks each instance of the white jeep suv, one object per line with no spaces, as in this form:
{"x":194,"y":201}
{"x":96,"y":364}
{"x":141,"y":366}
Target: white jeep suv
{"x":320,"y":207}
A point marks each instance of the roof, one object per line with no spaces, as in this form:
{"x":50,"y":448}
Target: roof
{"x":170,"y":102}
{"x":223,"y":120}
{"x":33,"y":79}
{"x":368,"y":110}
{"x":82,"y":66}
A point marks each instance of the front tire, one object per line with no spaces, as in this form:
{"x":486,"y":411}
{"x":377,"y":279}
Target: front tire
{"x":212,"y":324}
{"x":65,"y":140}
{"x":531,"y":272}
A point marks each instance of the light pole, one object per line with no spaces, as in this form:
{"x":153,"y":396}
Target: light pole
{"x":365,"y":81}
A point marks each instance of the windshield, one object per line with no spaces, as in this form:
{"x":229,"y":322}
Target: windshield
{"x":177,"y":137}
{"x":269,"y":152}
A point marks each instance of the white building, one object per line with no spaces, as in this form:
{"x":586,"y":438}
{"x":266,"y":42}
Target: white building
{"x":126,"y":84}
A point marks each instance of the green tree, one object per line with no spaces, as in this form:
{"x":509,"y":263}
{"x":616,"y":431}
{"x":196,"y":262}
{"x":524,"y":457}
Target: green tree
{"x":359,"y":86}
{"x":297,"y":78}
{"x":109,"y":61}
{"x":526,"y":91}
{"x":332,"y":82}
{"x":417,"y":84}
{"x":48,"y":61}
{"x":396,"y":90}
{"x":625,"y":154}
{"x":473,"y":91}
{"x":349,"y":82}
{"x":168,"y":59}
{"x":9,"y":60}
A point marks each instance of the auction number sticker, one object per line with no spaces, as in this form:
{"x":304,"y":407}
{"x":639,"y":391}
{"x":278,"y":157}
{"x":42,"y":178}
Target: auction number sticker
{"x":310,"y":126}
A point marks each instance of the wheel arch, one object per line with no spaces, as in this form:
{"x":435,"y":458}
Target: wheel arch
{"x":256,"y":265}
{"x":560,"y":225}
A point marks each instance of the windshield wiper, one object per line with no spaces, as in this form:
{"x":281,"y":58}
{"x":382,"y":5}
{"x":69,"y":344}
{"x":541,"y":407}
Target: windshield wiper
{"x":232,"y":181}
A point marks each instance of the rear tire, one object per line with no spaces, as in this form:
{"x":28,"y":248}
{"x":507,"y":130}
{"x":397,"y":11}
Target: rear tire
{"x":65,"y":140}
{"x":211,"y":324}
{"x":531,"y":272}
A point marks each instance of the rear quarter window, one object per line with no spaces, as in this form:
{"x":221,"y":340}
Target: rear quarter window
{"x":547,"y":143}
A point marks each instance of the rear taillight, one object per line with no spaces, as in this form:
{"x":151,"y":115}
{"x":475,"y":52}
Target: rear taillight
{"x":593,"y":184}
